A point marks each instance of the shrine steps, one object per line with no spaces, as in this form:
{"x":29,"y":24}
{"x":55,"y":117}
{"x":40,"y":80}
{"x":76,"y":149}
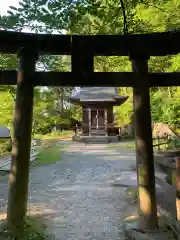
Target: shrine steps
{"x":96,"y":139}
{"x":98,"y":132}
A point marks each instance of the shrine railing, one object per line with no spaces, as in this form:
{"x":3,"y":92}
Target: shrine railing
{"x":93,"y":126}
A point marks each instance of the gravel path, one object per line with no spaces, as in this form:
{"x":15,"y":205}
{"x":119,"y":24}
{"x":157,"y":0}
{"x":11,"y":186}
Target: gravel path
{"x":75,"y":194}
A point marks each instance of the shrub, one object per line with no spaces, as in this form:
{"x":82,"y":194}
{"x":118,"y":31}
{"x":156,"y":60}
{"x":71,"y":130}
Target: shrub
{"x":34,"y":229}
{"x":5,"y":147}
{"x":174,"y":143}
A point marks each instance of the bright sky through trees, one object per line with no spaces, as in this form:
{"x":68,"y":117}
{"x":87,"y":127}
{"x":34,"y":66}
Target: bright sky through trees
{"x":4,"y":5}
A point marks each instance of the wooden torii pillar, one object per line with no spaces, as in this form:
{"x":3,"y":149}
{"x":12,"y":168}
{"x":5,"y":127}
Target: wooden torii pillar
{"x":19,"y":174}
{"x":82,"y":64}
{"x":144,"y":145}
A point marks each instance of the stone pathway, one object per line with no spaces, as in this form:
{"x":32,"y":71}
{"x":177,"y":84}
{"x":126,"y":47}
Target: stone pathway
{"x":75,"y":195}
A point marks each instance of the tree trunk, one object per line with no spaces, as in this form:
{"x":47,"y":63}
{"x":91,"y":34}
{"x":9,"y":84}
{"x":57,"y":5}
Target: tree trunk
{"x":169,"y":91}
{"x":61,"y":101}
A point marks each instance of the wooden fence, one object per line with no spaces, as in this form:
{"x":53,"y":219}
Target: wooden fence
{"x":5,"y":164}
{"x":160,"y":141}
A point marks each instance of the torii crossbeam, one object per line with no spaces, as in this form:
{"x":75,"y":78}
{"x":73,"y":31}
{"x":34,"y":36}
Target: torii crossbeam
{"x":82,"y":50}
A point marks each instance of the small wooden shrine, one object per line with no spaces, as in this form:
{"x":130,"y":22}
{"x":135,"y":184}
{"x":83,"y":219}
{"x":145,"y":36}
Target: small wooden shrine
{"x":97,"y":107}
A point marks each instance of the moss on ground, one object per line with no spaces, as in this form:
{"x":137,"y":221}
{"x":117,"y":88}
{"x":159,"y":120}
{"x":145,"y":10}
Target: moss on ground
{"x":34,"y":229}
{"x":54,"y":135}
{"x":48,"y":154}
{"x":132,"y":193}
{"x":126,"y":144}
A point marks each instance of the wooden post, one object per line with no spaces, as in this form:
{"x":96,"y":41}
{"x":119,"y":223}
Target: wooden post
{"x":89,"y":118}
{"x":144,"y":145}
{"x":82,"y":62}
{"x":105,"y":121}
{"x":158,"y":144}
{"x":97,"y":120}
{"x":178,"y":187}
{"x":167,"y":140}
{"x":174,"y":143}
{"x":19,"y":174}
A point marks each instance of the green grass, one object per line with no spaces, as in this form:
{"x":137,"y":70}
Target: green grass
{"x":131,"y":145}
{"x":174,"y":143}
{"x":54,"y":135}
{"x":126,"y":144}
{"x":35,"y":229}
{"x":132,"y":193}
{"x":48,"y":154}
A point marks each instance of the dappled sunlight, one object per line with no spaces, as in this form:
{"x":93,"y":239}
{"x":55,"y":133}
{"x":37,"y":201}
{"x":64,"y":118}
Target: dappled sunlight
{"x":145,"y":201}
{"x":88,"y":150}
{"x":82,"y":188}
{"x":13,"y":171}
{"x":40,"y":209}
{"x":95,"y":152}
{"x":178,"y":207}
{"x":82,"y":147}
{"x":108,"y":152}
{"x":101,"y":146}
{"x":117,"y":157}
{"x":79,"y":191}
{"x":101,"y":152}
{"x":85,"y":150}
{"x":132,"y":217}
{"x":14,"y":150}
{"x":34,"y":210}
{"x":3,"y":216}
{"x":12,"y":174}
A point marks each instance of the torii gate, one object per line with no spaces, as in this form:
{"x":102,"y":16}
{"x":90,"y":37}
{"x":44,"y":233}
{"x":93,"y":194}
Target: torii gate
{"x":82,"y":50}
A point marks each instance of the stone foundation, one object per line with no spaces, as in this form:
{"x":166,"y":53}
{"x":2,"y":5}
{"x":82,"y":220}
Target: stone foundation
{"x":96,"y":139}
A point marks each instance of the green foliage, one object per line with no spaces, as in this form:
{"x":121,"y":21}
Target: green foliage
{"x":6,"y":109}
{"x":34,"y":229}
{"x":5,"y":147}
{"x":50,"y":106}
{"x":127,"y":144}
{"x":50,"y":109}
{"x":76,"y":111}
{"x":174,"y":143}
{"x":166,"y":106}
{"x":123,"y":113}
{"x":54,"y":135}
{"x":8,"y":62}
{"x":132,"y":194}
{"x":94,"y":17}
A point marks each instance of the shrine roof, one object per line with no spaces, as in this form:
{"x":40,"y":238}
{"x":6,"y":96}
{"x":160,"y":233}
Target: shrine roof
{"x":97,"y":94}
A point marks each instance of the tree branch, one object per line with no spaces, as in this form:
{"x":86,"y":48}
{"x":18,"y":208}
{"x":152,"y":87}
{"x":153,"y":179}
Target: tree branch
{"x":151,"y":5}
{"x":124,"y":17}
